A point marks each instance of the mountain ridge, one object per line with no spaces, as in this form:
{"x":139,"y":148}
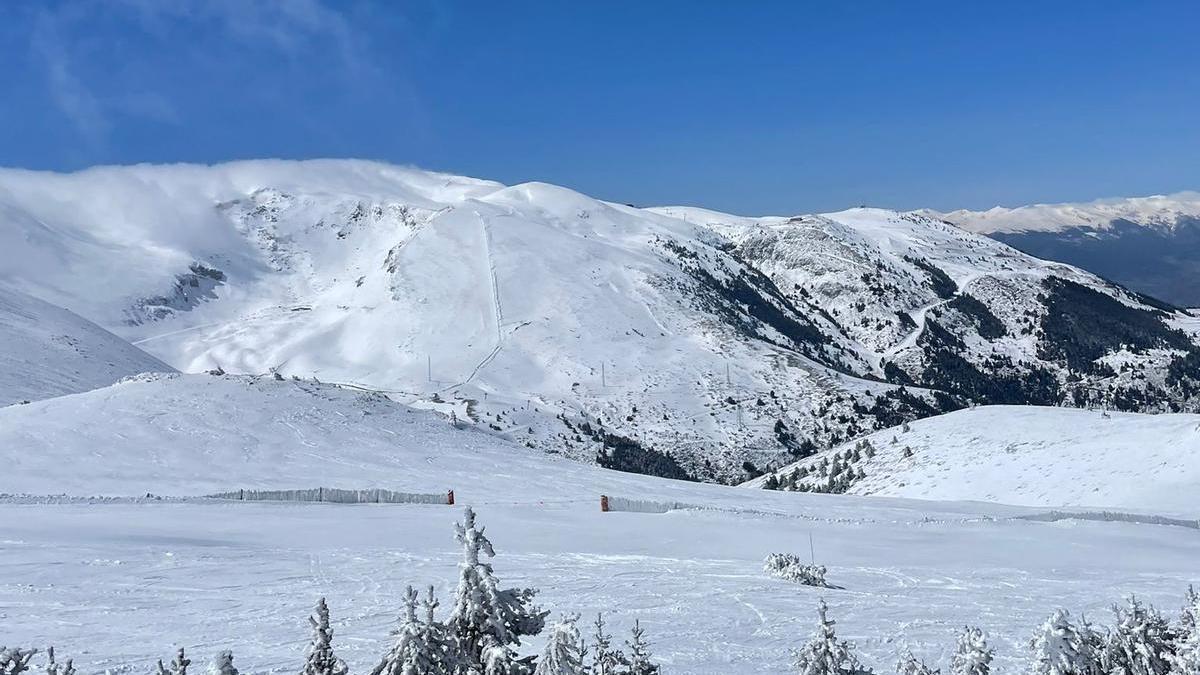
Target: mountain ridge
{"x":668,"y":340}
{"x":1149,"y":244}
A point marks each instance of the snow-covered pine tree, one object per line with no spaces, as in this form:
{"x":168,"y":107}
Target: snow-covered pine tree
{"x":481,"y":608}
{"x":1187,"y":650}
{"x":14,"y":660}
{"x":1142,"y":642}
{"x":1060,"y":648}
{"x":911,"y":665}
{"x":563,"y":654}
{"x":438,"y":652}
{"x":179,"y":665}
{"x":972,"y":656}
{"x":53,"y":667}
{"x":825,"y":654}
{"x":1190,"y":615}
{"x":605,"y":659}
{"x":223,"y":664}
{"x":320,"y":659}
{"x":497,"y":659}
{"x":639,"y":662}
{"x":401,"y":658}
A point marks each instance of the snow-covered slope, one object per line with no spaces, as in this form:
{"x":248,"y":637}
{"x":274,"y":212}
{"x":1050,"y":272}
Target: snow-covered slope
{"x":188,"y":435}
{"x":1022,"y":455}
{"x":581,"y":327}
{"x":117,"y":584}
{"x":929,"y":304}
{"x":48,"y":351}
{"x":1150,"y":244}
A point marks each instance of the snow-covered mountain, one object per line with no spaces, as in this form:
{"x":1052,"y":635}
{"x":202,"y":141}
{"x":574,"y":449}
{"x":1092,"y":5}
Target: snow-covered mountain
{"x":1018,"y":455}
{"x":48,"y":351}
{"x":1150,"y":244}
{"x":673,"y":340}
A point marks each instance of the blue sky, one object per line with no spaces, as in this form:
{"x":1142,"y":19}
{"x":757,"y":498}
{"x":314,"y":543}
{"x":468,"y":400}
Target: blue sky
{"x":745,"y":107}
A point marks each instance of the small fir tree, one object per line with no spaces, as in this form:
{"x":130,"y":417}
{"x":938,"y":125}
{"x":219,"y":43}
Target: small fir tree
{"x":1187,"y":652}
{"x":972,"y":656}
{"x":825,"y":654}
{"x":223,"y":664}
{"x":639,"y":662}
{"x":1141,"y":643}
{"x":320,"y":659}
{"x":911,"y":665}
{"x":14,"y":660}
{"x":1061,"y":648}
{"x":605,"y":659}
{"x":481,"y":608}
{"x":563,"y":654}
{"x":53,"y":667}
{"x":179,"y":665}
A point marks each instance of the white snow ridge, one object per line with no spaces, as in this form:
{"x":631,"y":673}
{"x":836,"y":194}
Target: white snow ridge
{"x":958,"y":433}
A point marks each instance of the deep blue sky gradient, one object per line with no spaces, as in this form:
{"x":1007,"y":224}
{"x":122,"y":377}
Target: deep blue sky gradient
{"x":746,"y":107}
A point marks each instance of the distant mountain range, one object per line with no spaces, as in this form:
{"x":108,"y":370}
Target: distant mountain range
{"x":1150,"y":244}
{"x":674,"y":341}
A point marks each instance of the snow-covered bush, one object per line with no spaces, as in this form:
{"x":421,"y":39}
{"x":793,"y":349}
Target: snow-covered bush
{"x":53,"y":667}
{"x":911,"y":665}
{"x":420,"y":647}
{"x":14,"y":660}
{"x":825,"y":654}
{"x":972,"y":656}
{"x":1142,"y":642}
{"x":790,"y":567}
{"x":179,"y":665}
{"x":223,"y":664}
{"x":563,"y":654}
{"x":1062,"y":648}
{"x":1187,"y":651}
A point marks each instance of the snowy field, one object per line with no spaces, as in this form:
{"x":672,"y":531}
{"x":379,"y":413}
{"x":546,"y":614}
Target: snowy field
{"x":118,"y":585}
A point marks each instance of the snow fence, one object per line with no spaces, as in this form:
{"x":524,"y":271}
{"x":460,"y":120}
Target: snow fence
{"x":338,"y":496}
{"x":610,"y":503}
{"x":1111,"y":517}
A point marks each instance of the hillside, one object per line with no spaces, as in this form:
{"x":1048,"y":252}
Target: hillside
{"x":48,"y":351}
{"x":1048,"y":457}
{"x":670,"y":341}
{"x":180,"y":435}
{"x":210,"y":575}
{"x":1150,"y":244}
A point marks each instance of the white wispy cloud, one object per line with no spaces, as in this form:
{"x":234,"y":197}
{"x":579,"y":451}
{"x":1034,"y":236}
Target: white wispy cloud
{"x":292,"y":28}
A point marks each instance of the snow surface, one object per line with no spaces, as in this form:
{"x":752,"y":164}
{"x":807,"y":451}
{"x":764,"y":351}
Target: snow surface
{"x":1157,"y":211}
{"x":1036,"y":456}
{"x":117,"y":585}
{"x":499,"y":300}
{"x":525,"y":309}
{"x":48,"y":351}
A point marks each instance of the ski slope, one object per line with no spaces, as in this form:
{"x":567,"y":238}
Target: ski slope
{"x":1036,"y":456}
{"x":532,"y":309}
{"x":118,"y":584}
{"x":48,"y":351}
